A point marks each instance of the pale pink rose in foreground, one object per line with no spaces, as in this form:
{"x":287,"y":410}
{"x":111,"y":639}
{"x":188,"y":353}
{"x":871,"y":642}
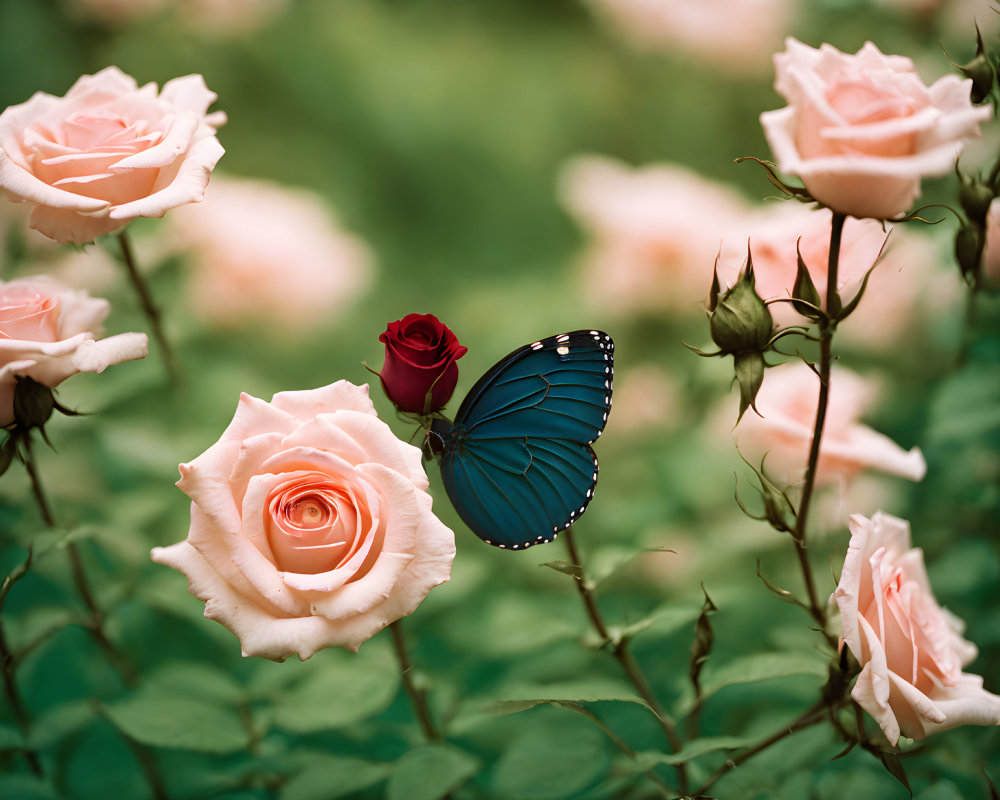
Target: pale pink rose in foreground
{"x":862,"y":130}
{"x":910,"y":649}
{"x":654,"y":232}
{"x":311,"y":525}
{"x":896,"y":289}
{"x":751,"y":33}
{"x":265,"y":253}
{"x":48,"y":332}
{"x":108,"y":152}
{"x":783,"y":429}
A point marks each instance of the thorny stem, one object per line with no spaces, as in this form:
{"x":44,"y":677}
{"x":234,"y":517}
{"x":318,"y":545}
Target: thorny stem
{"x":8,"y":665}
{"x":621,"y":653}
{"x":417,"y":698}
{"x":96,"y":624}
{"x":149,"y":307}
{"x":825,"y":359}
{"x":807,"y":719}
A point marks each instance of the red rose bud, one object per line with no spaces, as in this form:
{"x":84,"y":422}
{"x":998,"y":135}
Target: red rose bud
{"x":420,"y":373}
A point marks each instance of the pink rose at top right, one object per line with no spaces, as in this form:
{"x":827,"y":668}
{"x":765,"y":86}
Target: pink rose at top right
{"x":904,"y":284}
{"x":784,"y":426}
{"x":910,"y":649}
{"x":861,"y":130}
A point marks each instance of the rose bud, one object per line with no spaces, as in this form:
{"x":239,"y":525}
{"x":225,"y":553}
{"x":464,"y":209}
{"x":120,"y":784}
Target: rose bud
{"x":33,"y":403}
{"x":420,"y":373}
{"x":740,"y":321}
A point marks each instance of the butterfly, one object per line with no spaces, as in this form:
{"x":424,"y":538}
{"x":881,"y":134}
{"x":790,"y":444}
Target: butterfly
{"x":517,"y":462}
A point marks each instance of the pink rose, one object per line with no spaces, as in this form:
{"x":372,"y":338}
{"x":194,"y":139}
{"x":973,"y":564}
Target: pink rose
{"x":991,"y":253}
{"x":108,"y":152}
{"x":898,"y":289}
{"x":263,"y":252}
{"x":655,"y":232}
{"x":48,"y":333}
{"x":783,"y":429}
{"x":861,"y":130}
{"x":910,"y":649}
{"x":311,"y":526}
{"x":751,"y":32}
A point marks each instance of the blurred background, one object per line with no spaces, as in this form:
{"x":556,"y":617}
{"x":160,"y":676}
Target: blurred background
{"x":518,"y":169}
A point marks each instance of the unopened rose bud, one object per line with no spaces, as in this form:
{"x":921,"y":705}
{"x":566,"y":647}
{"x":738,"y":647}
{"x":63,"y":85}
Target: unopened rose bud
{"x":975,"y":198}
{"x":969,"y":242}
{"x":741,"y":321}
{"x":981,"y":72}
{"x":33,"y":403}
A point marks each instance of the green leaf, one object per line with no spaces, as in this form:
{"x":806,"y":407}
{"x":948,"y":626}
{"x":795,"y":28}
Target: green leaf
{"x":329,"y":777}
{"x":564,"y":567}
{"x":806,"y":299}
{"x":26,"y":787}
{"x":190,"y":679}
{"x":169,"y":720}
{"x":593,"y":691}
{"x":701,"y":646}
{"x":544,"y":764}
{"x":62,"y":721}
{"x":894,"y":766}
{"x":340,"y":689}
{"x":430,"y":773}
{"x":764,"y":667}
{"x":693,"y":749}
{"x":10,"y":738}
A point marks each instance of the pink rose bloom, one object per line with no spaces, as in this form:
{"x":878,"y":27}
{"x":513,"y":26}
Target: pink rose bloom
{"x":48,"y":333}
{"x":311,"y":525}
{"x":268,"y":254}
{"x":862,"y":130}
{"x":783,"y":429}
{"x":910,"y":649}
{"x":655,"y":232}
{"x":896,"y":289}
{"x":108,"y":152}
{"x":991,"y":253}
{"x":751,"y":33}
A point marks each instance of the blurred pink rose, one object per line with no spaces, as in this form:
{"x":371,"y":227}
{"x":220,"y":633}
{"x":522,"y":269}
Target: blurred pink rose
{"x":910,"y":649}
{"x":108,"y":152}
{"x":48,"y":333}
{"x":262,"y":252}
{"x":222,"y":17}
{"x":991,"y":253}
{"x":751,"y":33}
{"x":655,"y":232}
{"x":896,"y":289}
{"x":861,"y":130}
{"x":311,"y":525}
{"x":783,"y":429}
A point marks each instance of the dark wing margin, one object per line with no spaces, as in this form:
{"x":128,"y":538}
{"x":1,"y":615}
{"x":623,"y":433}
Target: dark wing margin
{"x":520,"y":467}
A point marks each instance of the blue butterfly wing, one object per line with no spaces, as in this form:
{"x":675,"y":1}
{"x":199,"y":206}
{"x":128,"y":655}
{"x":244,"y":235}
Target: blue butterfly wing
{"x":517,"y":462}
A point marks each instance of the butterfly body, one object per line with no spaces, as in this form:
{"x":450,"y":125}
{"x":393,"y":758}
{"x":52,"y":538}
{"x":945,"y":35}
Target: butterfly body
{"x":517,"y":462}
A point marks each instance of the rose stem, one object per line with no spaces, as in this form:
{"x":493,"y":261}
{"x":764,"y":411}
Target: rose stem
{"x":8,"y":665}
{"x":96,"y":624}
{"x":825,"y":358}
{"x":80,"y":581}
{"x":150,"y":309}
{"x":807,"y":719}
{"x":624,"y":657}
{"x":416,"y":695}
